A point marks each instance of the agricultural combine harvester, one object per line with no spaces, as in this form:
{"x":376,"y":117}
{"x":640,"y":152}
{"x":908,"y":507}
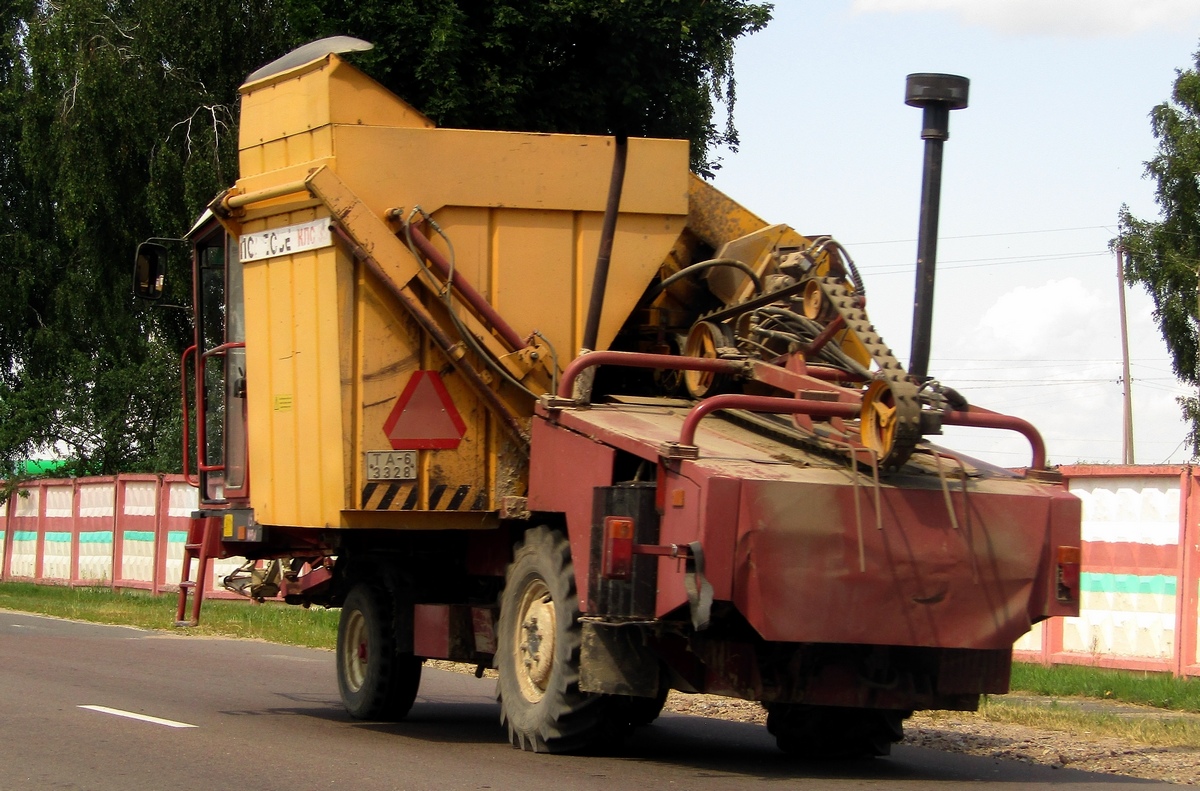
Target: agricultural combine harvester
{"x":553,"y":405}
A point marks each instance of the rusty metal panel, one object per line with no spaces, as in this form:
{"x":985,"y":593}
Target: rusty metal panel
{"x":681,"y":524}
{"x":567,"y":487}
{"x":443,"y":631}
{"x":704,"y":511}
{"x":804,"y":561}
{"x":810,"y":546}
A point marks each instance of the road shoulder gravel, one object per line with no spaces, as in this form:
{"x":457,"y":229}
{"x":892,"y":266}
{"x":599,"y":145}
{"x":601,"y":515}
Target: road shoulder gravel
{"x":971,"y":734}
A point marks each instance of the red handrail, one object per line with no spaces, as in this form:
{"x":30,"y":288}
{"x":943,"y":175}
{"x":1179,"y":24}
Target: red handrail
{"x":665,"y":362}
{"x":984,"y":418}
{"x":201,"y":424}
{"x":188,"y":352}
{"x":790,"y":406}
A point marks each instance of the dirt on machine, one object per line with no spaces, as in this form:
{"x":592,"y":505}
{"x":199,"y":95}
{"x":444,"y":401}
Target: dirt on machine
{"x":552,"y":404}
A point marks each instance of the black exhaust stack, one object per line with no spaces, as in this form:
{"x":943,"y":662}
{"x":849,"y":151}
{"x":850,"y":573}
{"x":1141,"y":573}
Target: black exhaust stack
{"x":937,"y":95}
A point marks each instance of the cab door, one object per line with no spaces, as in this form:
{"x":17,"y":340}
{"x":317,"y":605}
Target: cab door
{"x":220,"y":367}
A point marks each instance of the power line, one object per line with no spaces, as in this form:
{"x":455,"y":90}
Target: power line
{"x":983,"y":235}
{"x":967,"y":263}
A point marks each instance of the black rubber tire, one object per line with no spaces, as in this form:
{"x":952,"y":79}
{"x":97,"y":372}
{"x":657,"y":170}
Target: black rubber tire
{"x":834,"y":732}
{"x":540,"y":700}
{"x":636,"y":711}
{"x":375,"y":682}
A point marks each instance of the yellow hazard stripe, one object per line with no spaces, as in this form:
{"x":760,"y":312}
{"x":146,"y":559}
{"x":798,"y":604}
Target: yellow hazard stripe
{"x":403,"y":496}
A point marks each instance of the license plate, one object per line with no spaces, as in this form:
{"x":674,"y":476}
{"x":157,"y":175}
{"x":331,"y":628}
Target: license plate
{"x":391,"y":465}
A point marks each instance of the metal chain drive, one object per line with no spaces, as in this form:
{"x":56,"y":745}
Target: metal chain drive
{"x":891,"y":409}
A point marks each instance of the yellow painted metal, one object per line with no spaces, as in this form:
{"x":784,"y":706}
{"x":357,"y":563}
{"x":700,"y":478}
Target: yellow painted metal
{"x":294,"y":413}
{"x":716,"y":218}
{"x":284,"y":107}
{"x":330,"y":347}
{"x":365,"y":226}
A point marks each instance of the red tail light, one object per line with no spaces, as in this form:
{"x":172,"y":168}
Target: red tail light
{"x":1068,"y":574}
{"x":618,"y":548}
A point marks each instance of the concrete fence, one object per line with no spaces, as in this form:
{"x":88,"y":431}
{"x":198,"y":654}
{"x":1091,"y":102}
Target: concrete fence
{"x":1140,"y":576}
{"x":126,"y":531}
{"x":1140,"y":556}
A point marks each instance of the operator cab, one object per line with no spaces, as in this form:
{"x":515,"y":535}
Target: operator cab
{"x":214,"y":366}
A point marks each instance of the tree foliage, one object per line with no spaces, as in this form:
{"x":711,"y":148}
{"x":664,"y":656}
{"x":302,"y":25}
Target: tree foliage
{"x":638,"y":67}
{"x":1164,"y":256}
{"x":118,"y":122}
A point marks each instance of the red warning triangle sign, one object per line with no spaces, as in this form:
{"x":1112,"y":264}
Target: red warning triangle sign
{"x":424,"y":416}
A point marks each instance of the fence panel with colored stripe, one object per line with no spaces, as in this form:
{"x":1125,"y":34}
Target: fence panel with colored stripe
{"x":58,"y":532}
{"x":183,"y":499}
{"x":1135,"y":613}
{"x":24,"y":510}
{"x":178,"y":502}
{"x":136,"y":539}
{"x":1129,"y":584}
{"x":94,"y":531}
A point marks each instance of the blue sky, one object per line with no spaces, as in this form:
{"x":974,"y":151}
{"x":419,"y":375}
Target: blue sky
{"x":1036,"y":170}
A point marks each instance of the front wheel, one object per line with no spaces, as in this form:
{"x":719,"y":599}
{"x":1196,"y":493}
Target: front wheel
{"x":538,"y":653}
{"x":375,"y":682}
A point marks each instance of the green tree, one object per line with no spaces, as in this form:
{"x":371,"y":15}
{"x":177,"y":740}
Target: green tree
{"x":118,"y":121}
{"x":655,"y":68}
{"x":1164,"y":255}
{"x":115,"y":119}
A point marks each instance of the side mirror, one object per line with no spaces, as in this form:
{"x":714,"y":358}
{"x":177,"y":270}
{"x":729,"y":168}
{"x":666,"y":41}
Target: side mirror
{"x":149,"y":270}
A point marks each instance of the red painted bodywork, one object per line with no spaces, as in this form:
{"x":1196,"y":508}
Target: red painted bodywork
{"x":795,"y":541}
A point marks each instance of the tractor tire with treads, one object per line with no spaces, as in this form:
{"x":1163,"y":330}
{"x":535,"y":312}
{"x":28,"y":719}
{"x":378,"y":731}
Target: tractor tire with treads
{"x":375,"y":682}
{"x":538,"y":654}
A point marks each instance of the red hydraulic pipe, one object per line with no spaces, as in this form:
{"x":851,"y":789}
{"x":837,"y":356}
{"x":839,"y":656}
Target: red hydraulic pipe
{"x":476,"y":300}
{"x":790,"y":406}
{"x":827,"y":373}
{"x":982,"y":418}
{"x":818,"y":343}
{"x":665,"y":362}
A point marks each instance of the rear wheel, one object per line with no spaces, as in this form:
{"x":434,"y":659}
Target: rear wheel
{"x":375,"y":682}
{"x":538,"y":653}
{"x":834,"y":732}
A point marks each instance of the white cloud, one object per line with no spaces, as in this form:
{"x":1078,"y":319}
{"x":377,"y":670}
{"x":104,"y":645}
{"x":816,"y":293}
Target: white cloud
{"x":1074,"y":18}
{"x":1029,"y":321}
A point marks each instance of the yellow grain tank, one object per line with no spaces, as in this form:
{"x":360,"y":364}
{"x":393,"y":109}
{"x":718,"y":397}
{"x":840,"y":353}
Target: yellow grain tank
{"x":330,"y":350}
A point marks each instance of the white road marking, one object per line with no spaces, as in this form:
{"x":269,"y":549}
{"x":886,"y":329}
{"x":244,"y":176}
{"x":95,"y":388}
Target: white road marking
{"x":142,"y":717}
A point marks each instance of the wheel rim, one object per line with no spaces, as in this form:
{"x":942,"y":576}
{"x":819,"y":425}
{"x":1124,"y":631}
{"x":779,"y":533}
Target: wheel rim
{"x":703,"y":340}
{"x":879,"y":418}
{"x":354,"y":651}
{"x":534,"y":642}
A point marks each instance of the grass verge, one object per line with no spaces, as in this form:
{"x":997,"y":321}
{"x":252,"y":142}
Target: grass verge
{"x":315,"y":628}
{"x":1160,"y":690}
{"x":1159,"y":731}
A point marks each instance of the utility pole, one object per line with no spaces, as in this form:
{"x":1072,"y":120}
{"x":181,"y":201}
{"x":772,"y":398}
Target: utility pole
{"x":1128,"y":435}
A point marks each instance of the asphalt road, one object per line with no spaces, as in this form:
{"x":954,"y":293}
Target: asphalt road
{"x":266,"y":717}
